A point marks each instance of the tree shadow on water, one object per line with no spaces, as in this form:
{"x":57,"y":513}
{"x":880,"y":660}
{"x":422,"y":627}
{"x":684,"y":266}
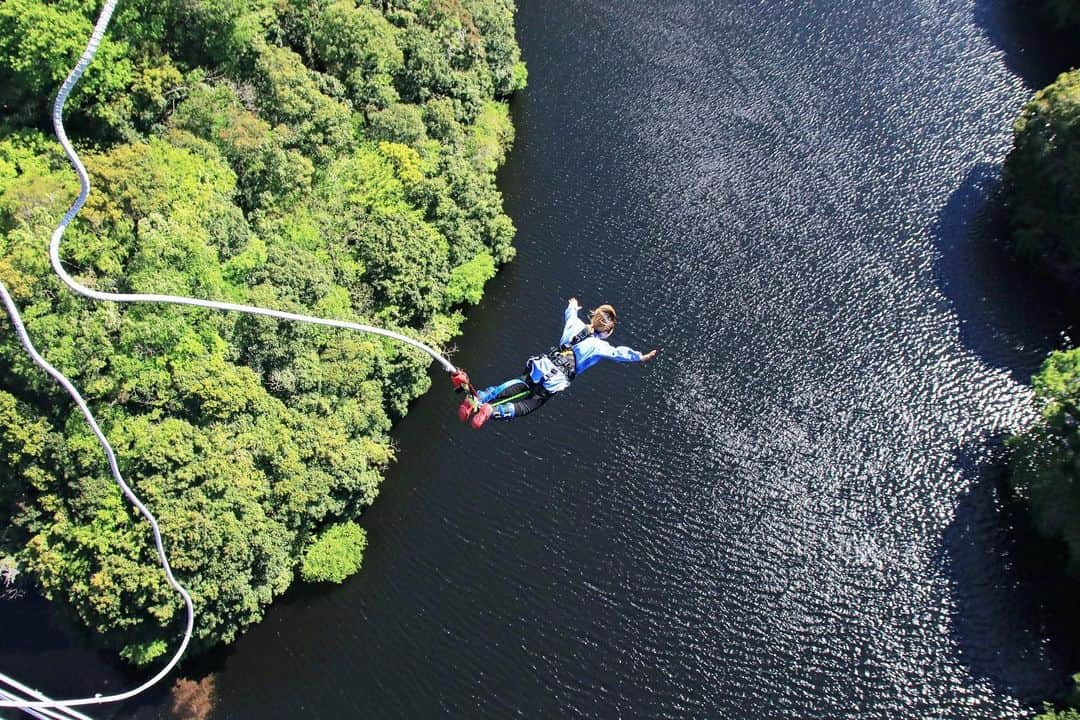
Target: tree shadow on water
{"x":1004,"y":588}
{"x":1034,"y":49}
{"x":1008,"y":315}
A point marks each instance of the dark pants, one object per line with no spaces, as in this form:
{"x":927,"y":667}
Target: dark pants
{"x":522,"y":405}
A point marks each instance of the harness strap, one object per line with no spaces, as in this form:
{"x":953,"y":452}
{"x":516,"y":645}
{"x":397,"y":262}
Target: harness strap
{"x":585,"y":332}
{"x":512,"y":398}
{"x":537,"y":386}
{"x":563,"y":356}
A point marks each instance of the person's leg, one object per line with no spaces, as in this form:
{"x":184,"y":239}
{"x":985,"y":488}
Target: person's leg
{"x":508,"y":389}
{"x":488,"y":398}
{"x":513,"y":398}
{"x":517,"y":408}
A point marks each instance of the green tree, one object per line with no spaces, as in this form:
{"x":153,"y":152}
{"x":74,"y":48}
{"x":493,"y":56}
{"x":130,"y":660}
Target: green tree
{"x":216,"y":33}
{"x":467,"y":280}
{"x":268,"y":173}
{"x":358,"y":46}
{"x":268,"y":152}
{"x":1043,"y":178}
{"x":1046,"y":458}
{"x":39,"y":44}
{"x":335,"y":554}
{"x":399,"y":123}
{"x":292,"y":95}
{"x":495,"y":23}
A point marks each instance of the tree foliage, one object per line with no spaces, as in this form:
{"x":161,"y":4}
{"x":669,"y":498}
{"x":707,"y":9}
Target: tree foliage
{"x":328,"y":157}
{"x":1049,"y":713}
{"x":1046,"y":458}
{"x":1043,"y":177}
{"x":39,"y":44}
{"x":358,"y":46}
{"x":335,"y":555}
{"x":467,"y":280}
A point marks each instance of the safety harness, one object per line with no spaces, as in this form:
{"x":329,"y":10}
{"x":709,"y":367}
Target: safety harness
{"x":562,"y":357}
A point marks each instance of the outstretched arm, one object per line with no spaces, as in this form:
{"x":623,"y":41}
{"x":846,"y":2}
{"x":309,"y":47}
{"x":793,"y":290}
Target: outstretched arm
{"x":623,"y":353}
{"x":572,"y":324}
{"x":572,"y":309}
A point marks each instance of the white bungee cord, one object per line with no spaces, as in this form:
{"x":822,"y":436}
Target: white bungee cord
{"x":9,"y":699}
{"x":84,"y":182}
{"x":20,"y":329}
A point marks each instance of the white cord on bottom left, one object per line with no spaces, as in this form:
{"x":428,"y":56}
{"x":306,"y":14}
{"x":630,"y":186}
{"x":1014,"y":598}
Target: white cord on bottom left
{"x":16,"y":687}
{"x":47,"y":707}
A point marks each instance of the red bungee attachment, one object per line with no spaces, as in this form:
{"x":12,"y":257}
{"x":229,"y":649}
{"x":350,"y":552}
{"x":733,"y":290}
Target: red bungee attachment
{"x":460,"y":380}
{"x":466,"y":409}
{"x":481,"y":416}
{"x":471,"y":410}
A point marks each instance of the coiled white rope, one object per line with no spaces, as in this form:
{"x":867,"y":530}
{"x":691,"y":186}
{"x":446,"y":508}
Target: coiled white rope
{"x":54,"y":257}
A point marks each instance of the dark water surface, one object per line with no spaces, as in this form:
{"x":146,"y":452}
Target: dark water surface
{"x":788,"y":513}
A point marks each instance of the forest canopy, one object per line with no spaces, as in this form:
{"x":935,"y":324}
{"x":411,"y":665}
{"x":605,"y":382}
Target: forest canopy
{"x":327,"y":157}
{"x":1042,"y":184}
{"x":1042,"y":175}
{"x":1045,"y":457}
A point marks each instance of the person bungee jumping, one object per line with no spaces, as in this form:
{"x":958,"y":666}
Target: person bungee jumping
{"x":580,"y":347}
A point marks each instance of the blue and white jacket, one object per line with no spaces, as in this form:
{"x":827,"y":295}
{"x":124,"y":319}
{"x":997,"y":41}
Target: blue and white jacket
{"x":587,"y":353}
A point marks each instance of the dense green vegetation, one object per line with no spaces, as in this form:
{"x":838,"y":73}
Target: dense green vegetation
{"x":1045,"y":470}
{"x":335,"y":555}
{"x":1046,"y":458}
{"x":1049,"y":712}
{"x":332,"y":157}
{"x":1043,"y":176}
{"x":1042,"y":181}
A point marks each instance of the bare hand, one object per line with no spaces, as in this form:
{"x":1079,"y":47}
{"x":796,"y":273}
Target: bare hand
{"x":574,"y":303}
{"x":649,"y":355}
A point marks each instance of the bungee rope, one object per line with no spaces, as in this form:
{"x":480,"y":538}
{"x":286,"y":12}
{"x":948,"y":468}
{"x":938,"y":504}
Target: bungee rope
{"x":65,"y":713}
{"x":84,"y":192}
{"x":460,"y":380}
{"x":20,"y":329}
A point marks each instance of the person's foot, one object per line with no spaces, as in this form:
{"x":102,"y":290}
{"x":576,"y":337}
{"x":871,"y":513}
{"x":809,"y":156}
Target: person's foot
{"x":466,"y":409}
{"x":481,"y":416}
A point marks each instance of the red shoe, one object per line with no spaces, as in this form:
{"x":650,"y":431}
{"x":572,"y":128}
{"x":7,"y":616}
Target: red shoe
{"x":466,"y":409}
{"x":481,"y":416}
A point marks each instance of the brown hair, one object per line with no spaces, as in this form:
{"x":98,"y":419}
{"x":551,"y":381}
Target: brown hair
{"x":602,"y":319}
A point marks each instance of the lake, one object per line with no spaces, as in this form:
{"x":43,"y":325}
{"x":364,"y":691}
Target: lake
{"x":792,"y":512}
